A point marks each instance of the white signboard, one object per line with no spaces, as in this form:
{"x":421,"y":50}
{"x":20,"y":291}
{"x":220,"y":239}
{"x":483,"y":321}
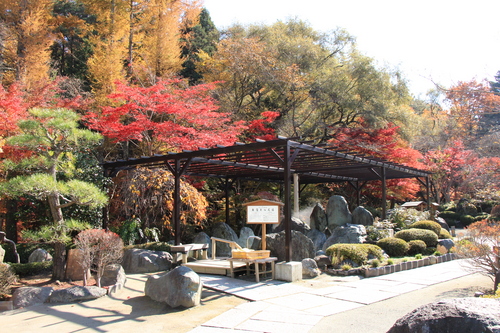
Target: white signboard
{"x":263,"y":214}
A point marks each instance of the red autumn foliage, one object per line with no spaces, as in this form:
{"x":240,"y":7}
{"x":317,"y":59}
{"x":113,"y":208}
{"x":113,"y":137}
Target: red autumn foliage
{"x":261,"y":128}
{"x":169,"y":113}
{"x":384,"y":143}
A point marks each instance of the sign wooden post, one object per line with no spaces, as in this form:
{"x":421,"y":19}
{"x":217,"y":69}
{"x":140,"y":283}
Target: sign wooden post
{"x":263,"y":212}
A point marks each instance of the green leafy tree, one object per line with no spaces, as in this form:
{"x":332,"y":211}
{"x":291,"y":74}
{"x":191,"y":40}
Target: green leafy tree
{"x":54,"y":137}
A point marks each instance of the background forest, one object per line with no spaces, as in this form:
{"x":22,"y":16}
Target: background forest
{"x":155,"y":76}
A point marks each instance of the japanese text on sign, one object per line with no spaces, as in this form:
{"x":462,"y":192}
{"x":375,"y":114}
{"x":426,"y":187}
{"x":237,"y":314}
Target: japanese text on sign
{"x":262,"y":214}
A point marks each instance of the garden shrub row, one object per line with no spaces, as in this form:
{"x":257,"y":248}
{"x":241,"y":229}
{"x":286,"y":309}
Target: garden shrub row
{"x":429,"y":237}
{"x":357,"y":253}
{"x":394,"y":247}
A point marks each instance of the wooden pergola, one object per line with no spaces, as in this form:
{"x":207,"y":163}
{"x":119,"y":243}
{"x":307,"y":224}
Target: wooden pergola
{"x":278,"y":160}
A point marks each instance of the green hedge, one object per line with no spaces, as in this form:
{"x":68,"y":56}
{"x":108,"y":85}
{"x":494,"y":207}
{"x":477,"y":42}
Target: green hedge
{"x":416,"y":246}
{"x":428,"y":225}
{"x":429,"y":237}
{"x":358,"y":253}
{"x":159,"y":246}
{"x":32,"y":268}
{"x":450,"y":217}
{"x":444,"y":234}
{"x":394,"y":247}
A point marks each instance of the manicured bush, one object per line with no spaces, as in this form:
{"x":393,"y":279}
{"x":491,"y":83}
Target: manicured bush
{"x":394,"y":247}
{"x":429,"y":237}
{"x":156,"y":246}
{"x":32,"y":268}
{"x":450,"y":217}
{"x":428,"y":225}
{"x":416,"y":246}
{"x":467,"y":219}
{"x":444,"y":234}
{"x":357,"y":253}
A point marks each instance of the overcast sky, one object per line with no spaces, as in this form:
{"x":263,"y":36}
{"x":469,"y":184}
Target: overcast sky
{"x":429,"y":40}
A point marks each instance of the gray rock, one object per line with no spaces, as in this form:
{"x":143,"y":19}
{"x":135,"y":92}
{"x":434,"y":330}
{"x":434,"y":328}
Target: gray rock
{"x":203,"y":238}
{"x":179,"y":287}
{"x":322,"y":260}
{"x":318,"y":219}
{"x":77,"y":294}
{"x":2,"y":253}
{"x":452,"y":315}
{"x":348,"y":234}
{"x":302,"y":246}
{"x":145,"y":261}
{"x":39,"y":255}
{"x":113,"y":274}
{"x":27,"y":296}
{"x":443,"y":223}
{"x":245,"y":234}
{"x":360,"y":215}
{"x":337,"y":212}
{"x":310,"y":268}
{"x":224,"y":231}
{"x":318,"y":239}
{"x":447,"y":243}
{"x":295,"y":224}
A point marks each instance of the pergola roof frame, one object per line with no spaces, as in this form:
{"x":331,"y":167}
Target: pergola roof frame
{"x":272,"y":161}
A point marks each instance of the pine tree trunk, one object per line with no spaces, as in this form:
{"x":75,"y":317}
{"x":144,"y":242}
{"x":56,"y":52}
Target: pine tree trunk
{"x":59,"y":259}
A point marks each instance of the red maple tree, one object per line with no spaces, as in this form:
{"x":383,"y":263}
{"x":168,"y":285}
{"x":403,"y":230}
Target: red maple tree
{"x":168,"y":116}
{"x":384,"y":143}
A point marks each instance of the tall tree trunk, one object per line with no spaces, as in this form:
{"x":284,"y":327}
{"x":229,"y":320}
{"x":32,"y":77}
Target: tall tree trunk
{"x":59,"y":259}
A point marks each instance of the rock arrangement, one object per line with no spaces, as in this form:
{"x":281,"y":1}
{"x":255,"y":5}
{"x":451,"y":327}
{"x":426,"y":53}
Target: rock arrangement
{"x":145,"y":261}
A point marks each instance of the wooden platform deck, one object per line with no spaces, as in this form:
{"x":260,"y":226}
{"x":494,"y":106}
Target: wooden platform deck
{"x":219,"y":266}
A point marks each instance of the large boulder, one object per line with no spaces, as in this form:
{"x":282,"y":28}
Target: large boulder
{"x":179,"y":287}
{"x":224,"y":231}
{"x":318,"y":238}
{"x":113,"y":275}
{"x":310,"y":268}
{"x":349,"y":233}
{"x":452,"y":315}
{"x":28,"y":296}
{"x":74,"y":268}
{"x":146,"y":261}
{"x":203,"y":238}
{"x":77,"y":294}
{"x":39,"y":255}
{"x":361,"y":215}
{"x":295,"y":224}
{"x":445,"y":245}
{"x":318,"y":219}
{"x":245,"y":239}
{"x":337,"y":212}
{"x":302,"y":246}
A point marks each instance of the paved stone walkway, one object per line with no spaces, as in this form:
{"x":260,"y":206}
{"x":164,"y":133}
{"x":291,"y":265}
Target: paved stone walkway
{"x":284,"y":307}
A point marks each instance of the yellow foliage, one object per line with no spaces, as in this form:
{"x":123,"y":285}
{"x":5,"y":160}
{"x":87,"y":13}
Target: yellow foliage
{"x":28,"y":25}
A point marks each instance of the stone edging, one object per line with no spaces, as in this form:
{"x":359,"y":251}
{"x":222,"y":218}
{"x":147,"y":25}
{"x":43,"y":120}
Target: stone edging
{"x":382,"y":270}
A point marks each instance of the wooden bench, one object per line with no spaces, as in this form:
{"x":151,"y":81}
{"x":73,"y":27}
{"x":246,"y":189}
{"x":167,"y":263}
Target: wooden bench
{"x":256,"y":263}
{"x":199,"y":251}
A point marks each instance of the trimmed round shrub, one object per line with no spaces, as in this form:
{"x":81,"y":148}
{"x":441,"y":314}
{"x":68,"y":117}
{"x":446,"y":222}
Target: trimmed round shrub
{"x":428,"y":225}
{"x":450,"y":217}
{"x":444,"y":234}
{"x":394,"y":247}
{"x":467,"y":219}
{"x":429,"y":237}
{"x":416,"y":246}
{"x":357,"y":253}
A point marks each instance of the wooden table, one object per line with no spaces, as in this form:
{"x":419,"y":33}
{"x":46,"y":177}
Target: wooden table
{"x":200,"y":251}
{"x":256,"y":263}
